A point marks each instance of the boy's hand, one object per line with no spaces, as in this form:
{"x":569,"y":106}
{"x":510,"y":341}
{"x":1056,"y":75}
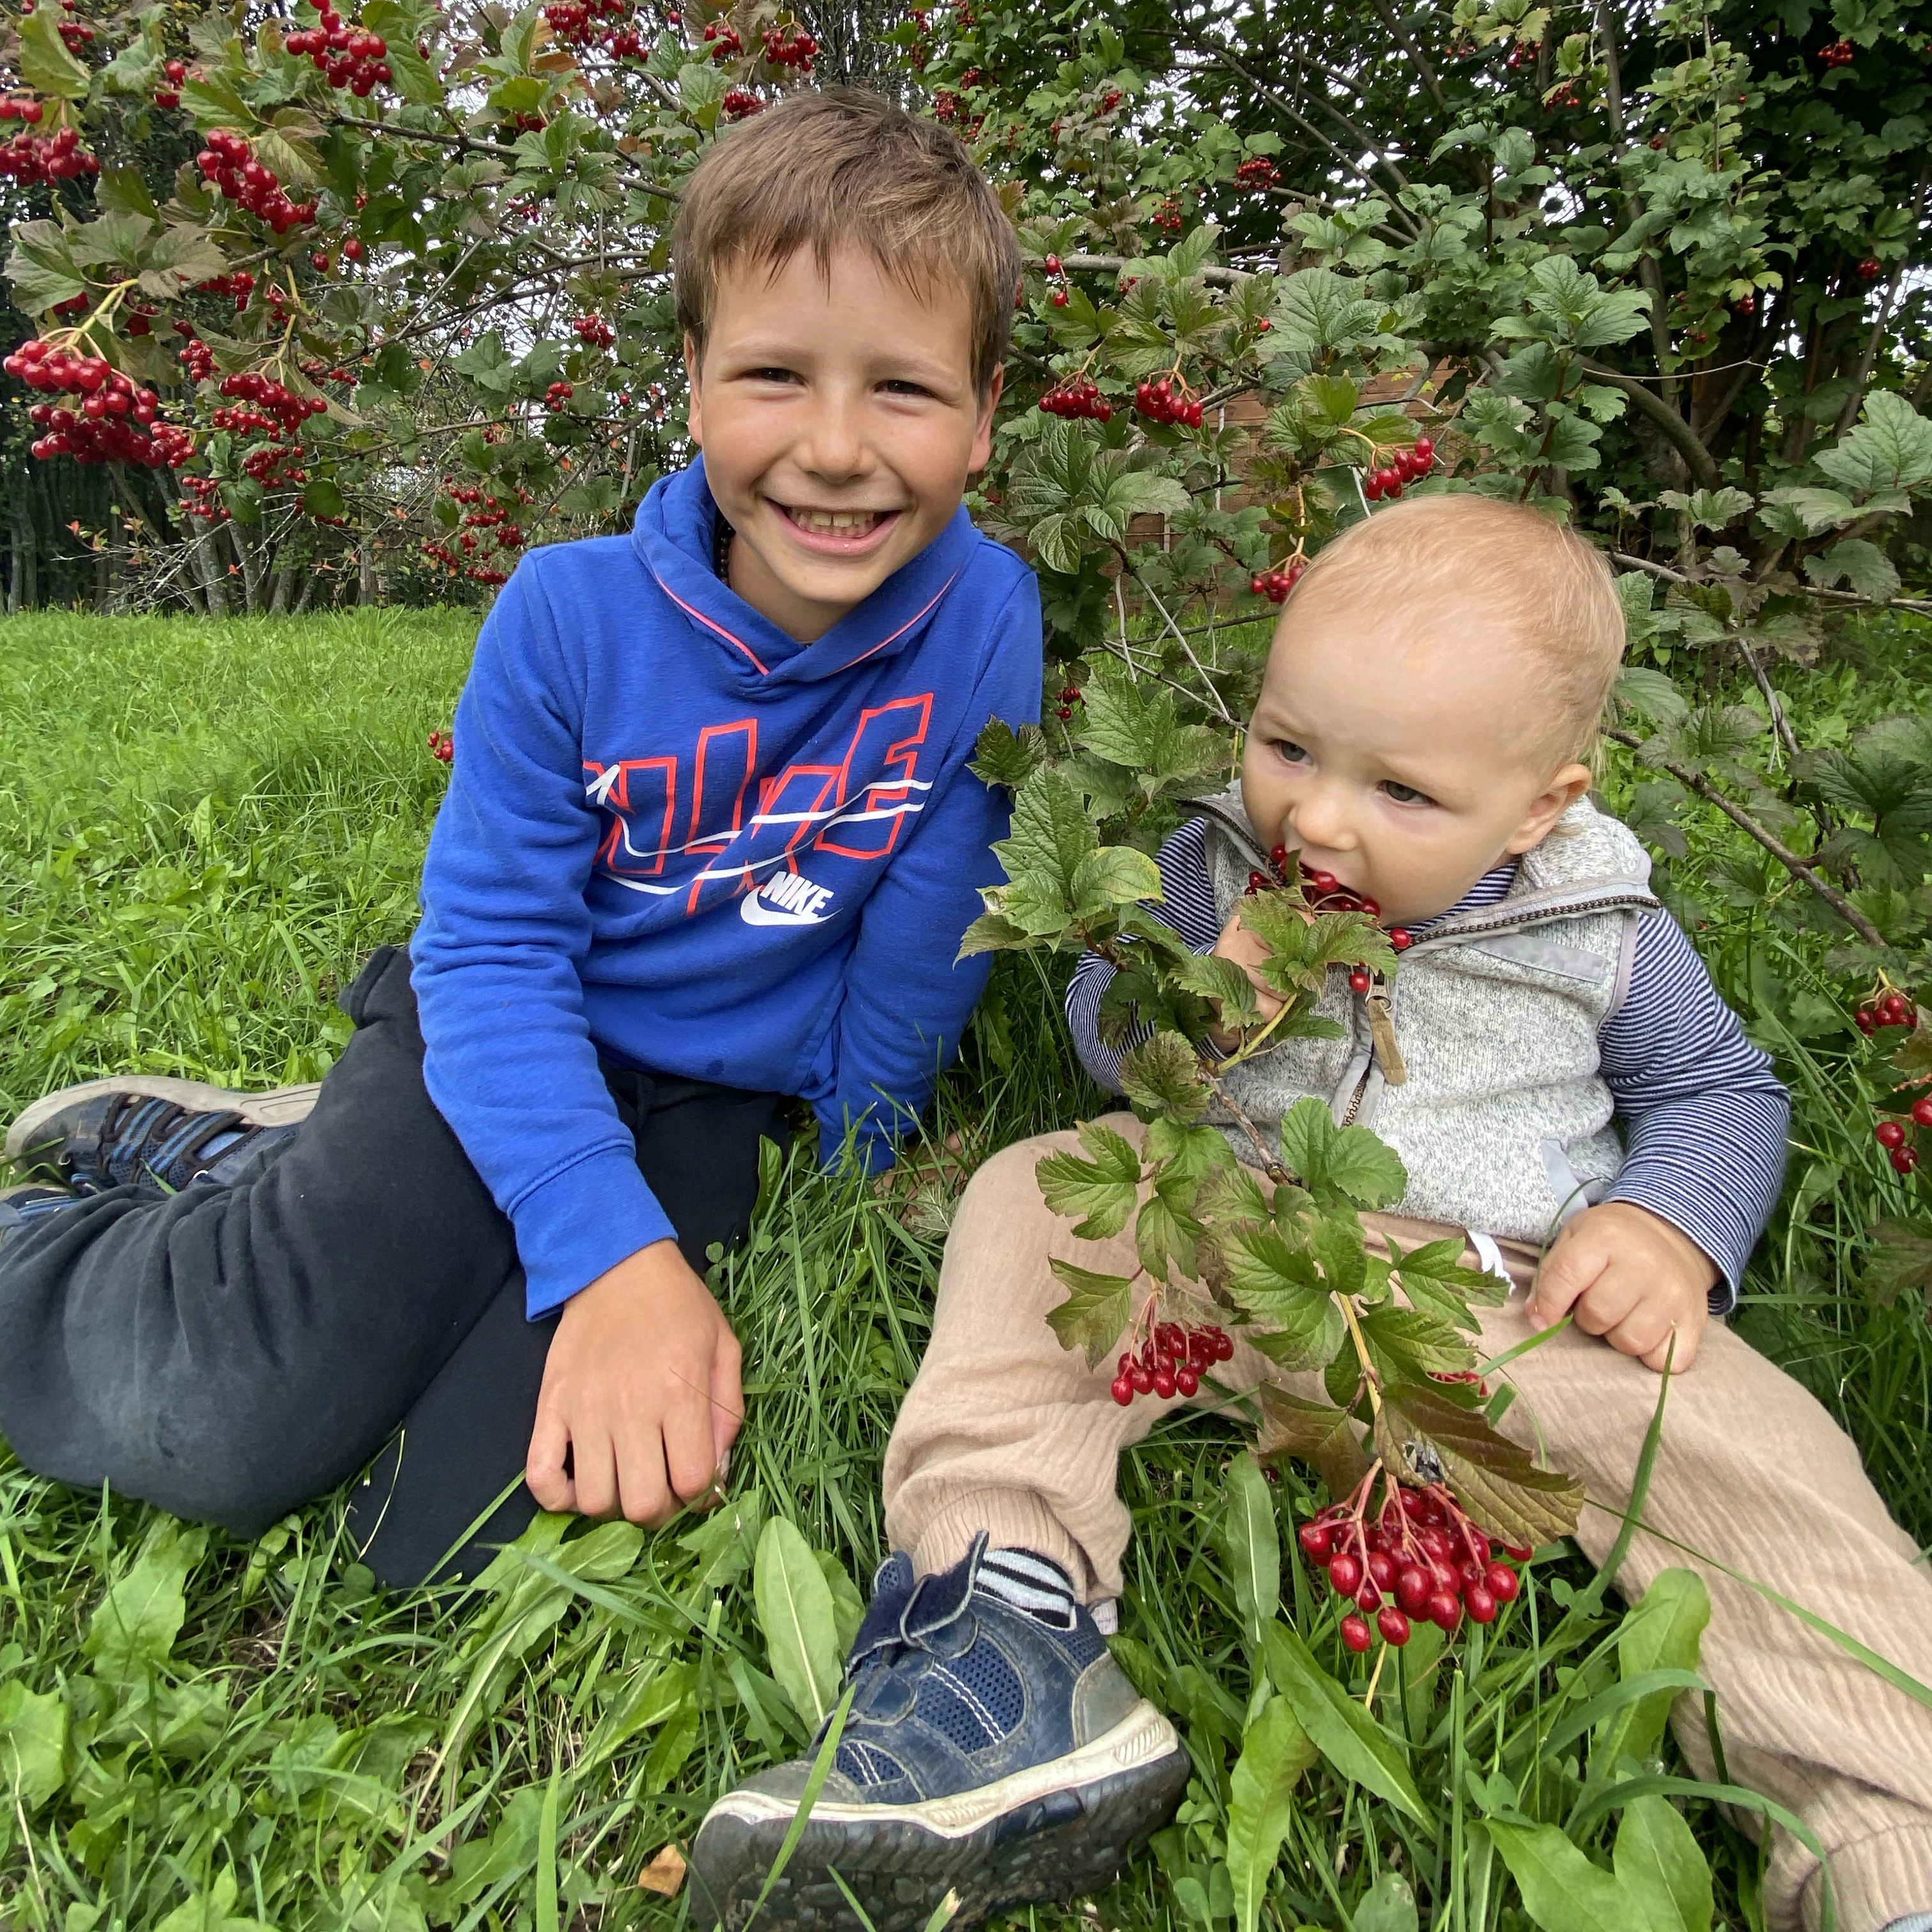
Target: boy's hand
{"x":1247,"y":952}
{"x":641,"y":1387}
{"x":1629,"y":1275}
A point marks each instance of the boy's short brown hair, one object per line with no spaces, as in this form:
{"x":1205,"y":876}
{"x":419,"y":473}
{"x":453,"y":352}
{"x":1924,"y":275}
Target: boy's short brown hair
{"x":1552,"y":593}
{"x":843,"y":166}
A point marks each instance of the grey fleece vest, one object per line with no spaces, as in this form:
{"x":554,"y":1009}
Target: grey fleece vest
{"x":1503,"y":1120}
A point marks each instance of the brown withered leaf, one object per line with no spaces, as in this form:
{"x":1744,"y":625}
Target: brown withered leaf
{"x":1312,"y":1432}
{"x":664,"y":1874}
{"x":1496,"y":1482}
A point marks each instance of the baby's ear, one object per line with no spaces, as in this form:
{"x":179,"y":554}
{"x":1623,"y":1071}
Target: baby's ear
{"x":1570,"y":784}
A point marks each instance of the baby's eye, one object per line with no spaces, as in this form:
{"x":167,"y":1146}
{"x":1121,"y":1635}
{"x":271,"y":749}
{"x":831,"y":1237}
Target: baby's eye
{"x":1290,"y":752}
{"x":1404,"y":794}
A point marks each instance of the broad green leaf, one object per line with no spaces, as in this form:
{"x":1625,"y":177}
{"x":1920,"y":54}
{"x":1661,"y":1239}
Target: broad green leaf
{"x":1116,"y":875}
{"x":1052,"y":834}
{"x":657,"y":1693}
{"x":33,"y":1744}
{"x":1349,"y":1163}
{"x":213,"y":1910}
{"x":45,"y":65}
{"x":1648,"y":692}
{"x":1097,"y":1308}
{"x":1496,"y":1481}
{"x":1340,"y":1729}
{"x":1275,"y":1752}
{"x":1388,"y":1906}
{"x":1890,"y":449}
{"x":1562,"y":1891}
{"x":1297,"y":1325}
{"x":1663,"y":1632}
{"x":1900,"y":1259}
{"x":796,"y":1614}
{"x":1251,"y":1541}
{"x":1165,"y":1232}
{"x":132,"y":1632}
{"x":1409,"y":1343}
{"x":1163,"y":1076}
{"x":1103,"y":1190}
{"x":1807,"y":512}
{"x":1003,"y":757}
{"x":848,"y":1607}
{"x":1312,"y":1432}
{"x":1860,"y":564}
{"x":1659,"y":1858}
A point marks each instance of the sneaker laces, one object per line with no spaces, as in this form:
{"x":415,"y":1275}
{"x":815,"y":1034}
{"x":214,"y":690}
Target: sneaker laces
{"x":144,"y":1138}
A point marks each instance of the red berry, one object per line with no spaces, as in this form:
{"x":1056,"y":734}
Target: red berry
{"x":1480,"y":1605}
{"x":1060,"y":297}
{"x":1344,"y":1574}
{"x":1355,"y":1633}
{"x":1053,"y":265}
{"x":1359,"y":981}
{"x":1921,"y":1110}
{"x":1187,"y":1379}
{"x":1393,"y":1626}
{"x":1368,"y":1597}
{"x":1382,"y":1567}
{"x":1163,"y":1383}
{"x":1124,"y":1391}
{"x":1890,"y":1134}
{"x":1444,"y":1611}
{"x":1866,"y":1024}
{"x":1500,"y":1580}
{"x":1412,"y":1588}
{"x":1316,"y":1540}
{"x":1903,"y":1159}
{"x":1142,"y":1378}
{"x":1401,"y":938}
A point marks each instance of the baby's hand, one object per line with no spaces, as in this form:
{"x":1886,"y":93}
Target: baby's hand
{"x":1629,"y":1275}
{"x":1247,"y":952}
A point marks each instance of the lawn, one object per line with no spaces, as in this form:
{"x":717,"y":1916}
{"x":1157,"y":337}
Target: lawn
{"x":203,"y":829}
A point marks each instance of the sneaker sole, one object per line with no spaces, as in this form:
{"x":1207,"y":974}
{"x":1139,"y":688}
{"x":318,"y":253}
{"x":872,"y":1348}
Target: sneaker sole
{"x":1049,"y":1833}
{"x":281,"y":1107}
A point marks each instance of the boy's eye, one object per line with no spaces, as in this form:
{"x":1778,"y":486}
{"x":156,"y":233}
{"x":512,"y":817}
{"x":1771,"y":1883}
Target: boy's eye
{"x":900,"y":386}
{"x":1290,"y":752}
{"x":1404,"y":794}
{"x":770,"y":375}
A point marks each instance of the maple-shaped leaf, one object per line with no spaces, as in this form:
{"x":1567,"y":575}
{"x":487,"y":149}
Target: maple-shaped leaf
{"x":1496,"y":1481}
{"x":1189,"y":1152}
{"x":1165,"y":1232}
{"x":1301,"y":949}
{"x":1164,"y":1075}
{"x":1407,"y":1344}
{"x":1901,"y":1260}
{"x":1279,"y":1286}
{"x":1098,"y":1307}
{"x":1340,"y":1163}
{"x":1336,"y":1241}
{"x":1433,"y":1278}
{"x":1006,"y":758}
{"x":1223,"y":982}
{"x":1103,"y":1190}
{"x":1140,"y":995}
{"x":1312,"y":1432}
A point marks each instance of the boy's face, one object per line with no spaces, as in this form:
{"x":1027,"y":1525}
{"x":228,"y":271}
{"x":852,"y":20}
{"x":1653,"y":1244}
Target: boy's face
{"x":1401,"y":748}
{"x":839,"y":424}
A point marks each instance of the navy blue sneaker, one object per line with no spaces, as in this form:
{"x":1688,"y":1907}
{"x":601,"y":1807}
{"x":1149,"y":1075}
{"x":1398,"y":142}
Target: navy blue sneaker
{"x":991,"y":1751}
{"x":146,"y":1128}
{"x":29,"y":1207}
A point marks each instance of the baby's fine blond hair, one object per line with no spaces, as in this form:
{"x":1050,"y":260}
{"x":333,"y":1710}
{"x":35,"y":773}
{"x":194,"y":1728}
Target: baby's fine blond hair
{"x":1552,"y":593}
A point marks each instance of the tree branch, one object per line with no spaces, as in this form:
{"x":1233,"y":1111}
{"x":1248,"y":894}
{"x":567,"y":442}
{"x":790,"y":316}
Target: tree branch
{"x":1682,"y":438}
{"x":1391,"y":20}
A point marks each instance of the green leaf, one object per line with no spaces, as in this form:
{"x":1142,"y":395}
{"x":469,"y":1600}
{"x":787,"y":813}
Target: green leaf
{"x":1660,"y":1859}
{"x":1340,"y":1729}
{"x":1413,"y":1343}
{"x":1279,"y":1286}
{"x":1103,"y":1190}
{"x":1316,"y":1432}
{"x":33,"y":1744}
{"x":795,"y":1613}
{"x":1344,"y":1163}
{"x":1251,"y":1541}
{"x":1006,"y":758}
{"x":1890,"y":449}
{"x":1661,"y":1882}
{"x":1163,"y":1076}
{"x":1861,"y":565}
{"x":212,"y":1910}
{"x":1901,"y":1259}
{"x":1802,"y":511}
{"x":1388,"y":1906}
{"x":1165,"y":1232}
{"x":1116,"y":875}
{"x":1275,"y":1752}
{"x":1496,"y":1481}
{"x":132,"y":1630}
{"x":1097,"y":1308}
{"x":45,"y":65}
{"x":848,"y":1607}
{"x":1663,"y":1632}
{"x":1052,"y":834}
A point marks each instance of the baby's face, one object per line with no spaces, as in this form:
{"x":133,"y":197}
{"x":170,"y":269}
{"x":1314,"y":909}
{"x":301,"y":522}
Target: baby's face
{"x":1399,"y":748}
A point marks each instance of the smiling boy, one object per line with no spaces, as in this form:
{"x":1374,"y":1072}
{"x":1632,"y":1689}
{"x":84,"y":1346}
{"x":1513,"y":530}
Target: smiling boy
{"x":710,"y":845}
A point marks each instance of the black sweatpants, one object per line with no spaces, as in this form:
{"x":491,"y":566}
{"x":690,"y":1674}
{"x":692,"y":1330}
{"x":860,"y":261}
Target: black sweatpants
{"x":230,"y":1352}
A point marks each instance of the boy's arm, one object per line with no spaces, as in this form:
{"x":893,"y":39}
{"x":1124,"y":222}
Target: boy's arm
{"x":905,"y":1000}
{"x":511,"y":1065}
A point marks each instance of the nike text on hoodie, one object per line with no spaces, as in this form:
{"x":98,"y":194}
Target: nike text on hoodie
{"x":678,"y":839}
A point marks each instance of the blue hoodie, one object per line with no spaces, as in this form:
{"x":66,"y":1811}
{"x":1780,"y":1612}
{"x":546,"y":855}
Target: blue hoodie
{"x":679,"y":838}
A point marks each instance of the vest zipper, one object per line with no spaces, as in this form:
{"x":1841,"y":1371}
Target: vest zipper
{"x":1355,"y":1099}
{"x":1381,"y":1030}
{"x":1477,"y":925}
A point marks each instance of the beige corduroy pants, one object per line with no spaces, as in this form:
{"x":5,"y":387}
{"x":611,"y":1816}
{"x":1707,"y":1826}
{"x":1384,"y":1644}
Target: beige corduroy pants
{"x":1005,"y":1431}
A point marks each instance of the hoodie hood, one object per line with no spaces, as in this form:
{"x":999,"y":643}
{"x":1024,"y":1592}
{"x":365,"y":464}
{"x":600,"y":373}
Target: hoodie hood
{"x":674,"y":536}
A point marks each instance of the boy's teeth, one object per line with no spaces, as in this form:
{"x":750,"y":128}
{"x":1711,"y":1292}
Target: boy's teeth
{"x":835,"y":523}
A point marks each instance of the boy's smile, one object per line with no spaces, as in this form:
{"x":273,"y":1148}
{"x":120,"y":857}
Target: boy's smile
{"x":839,"y":423}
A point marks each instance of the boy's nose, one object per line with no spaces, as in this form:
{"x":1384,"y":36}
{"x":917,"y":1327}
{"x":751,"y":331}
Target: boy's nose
{"x":833,"y":445}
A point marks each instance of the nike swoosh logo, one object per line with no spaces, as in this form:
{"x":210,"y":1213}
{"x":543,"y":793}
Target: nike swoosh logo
{"x":754,"y":911}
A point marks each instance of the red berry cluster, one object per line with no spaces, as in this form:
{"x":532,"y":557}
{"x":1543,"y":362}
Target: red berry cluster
{"x":789,"y":46}
{"x":1745,"y":305}
{"x":1159,"y":402}
{"x":557,"y":397}
{"x":1870,"y":268}
{"x":1523,"y":54}
{"x":1890,"y":1008}
{"x":194,"y":355}
{"x":442,"y":743}
{"x":1899,"y":1151}
{"x":1170,"y":1361}
{"x":1069,"y":696}
{"x":579,"y":23}
{"x":1167,"y":217}
{"x":1839,"y":53}
{"x":169,"y":96}
{"x":285,"y":411}
{"x":116,"y":421}
{"x":1275,"y":585}
{"x":350,"y":57}
{"x":21,"y":107}
{"x":241,"y":285}
{"x":1259,"y":175}
{"x":593,"y":331}
{"x":1077,"y":396}
{"x":1111,"y":100}
{"x":1406,"y":466}
{"x":740,"y":103}
{"x":1325,"y":893}
{"x":202,"y":496}
{"x":721,"y":38}
{"x":229,"y":164}
{"x":37,"y":160}
{"x":74,"y":34}
{"x":1420,"y":1559}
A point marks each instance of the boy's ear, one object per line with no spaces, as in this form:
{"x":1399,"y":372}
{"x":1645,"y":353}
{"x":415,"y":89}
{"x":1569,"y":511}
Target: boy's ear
{"x":983,"y":429}
{"x":692,"y":364}
{"x":1570,"y":784}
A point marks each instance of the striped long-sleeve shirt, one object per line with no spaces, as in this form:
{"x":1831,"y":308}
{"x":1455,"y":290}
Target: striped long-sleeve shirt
{"x":1703,"y":1117}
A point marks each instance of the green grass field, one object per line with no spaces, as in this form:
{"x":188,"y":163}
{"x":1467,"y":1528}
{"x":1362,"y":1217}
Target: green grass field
{"x":203,"y":829}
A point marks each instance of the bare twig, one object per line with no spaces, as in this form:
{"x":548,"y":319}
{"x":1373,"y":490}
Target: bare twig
{"x":1681,"y":436}
{"x":1228,"y":718}
{"x":1391,"y":20}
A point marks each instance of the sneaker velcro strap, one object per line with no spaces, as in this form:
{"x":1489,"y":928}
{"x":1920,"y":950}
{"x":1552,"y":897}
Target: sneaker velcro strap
{"x":941,"y":1599}
{"x":892,"y":1592}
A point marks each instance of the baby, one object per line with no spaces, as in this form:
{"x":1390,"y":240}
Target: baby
{"x":1422,"y":734}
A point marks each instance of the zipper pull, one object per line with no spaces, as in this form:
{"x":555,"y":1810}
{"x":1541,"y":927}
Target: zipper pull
{"x":1382,"y":1027}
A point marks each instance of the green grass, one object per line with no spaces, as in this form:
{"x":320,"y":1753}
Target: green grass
{"x":202,"y":830}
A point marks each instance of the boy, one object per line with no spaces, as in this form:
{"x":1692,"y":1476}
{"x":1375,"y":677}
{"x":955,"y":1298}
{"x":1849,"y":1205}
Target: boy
{"x":710,"y":843}
{"x":1431,"y":697}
